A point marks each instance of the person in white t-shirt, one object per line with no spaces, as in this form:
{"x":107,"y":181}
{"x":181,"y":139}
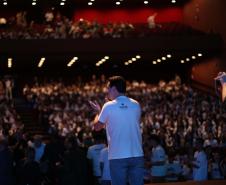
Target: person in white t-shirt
{"x":214,"y":166}
{"x":39,"y":147}
{"x":173,"y":168}
{"x":158,"y":160}
{"x":200,"y":163}
{"x":121,"y":116}
{"x":105,"y":169}
{"x":93,"y":154}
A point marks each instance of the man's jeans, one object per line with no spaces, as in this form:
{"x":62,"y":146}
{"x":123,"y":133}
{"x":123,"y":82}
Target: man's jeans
{"x":127,"y":170}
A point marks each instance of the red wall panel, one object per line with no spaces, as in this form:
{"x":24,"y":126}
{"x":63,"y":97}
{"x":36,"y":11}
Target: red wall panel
{"x":131,"y":16}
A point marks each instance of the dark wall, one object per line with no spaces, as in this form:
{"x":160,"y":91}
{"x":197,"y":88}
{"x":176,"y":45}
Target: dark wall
{"x":208,"y":16}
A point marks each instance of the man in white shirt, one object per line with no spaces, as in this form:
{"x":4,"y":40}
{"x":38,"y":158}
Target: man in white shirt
{"x":39,"y":147}
{"x":93,"y":154}
{"x":158,"y":159}
{"x":200,"y":163}
{"x":121,"y":116}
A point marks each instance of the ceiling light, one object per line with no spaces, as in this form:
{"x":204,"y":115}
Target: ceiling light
{"x":163,"y":58}
{"x":5,"y":3}
{"x":146,"y":2}
{"x":72,"y":61}
{"x":90,"y":3}
{"x":173,"y":1}
{"x":193,"y":57}
{"x":187,"y":59}
{"x":62,"y":3}
{"x":134,"y":59}
{"x":33,"y":3}
{"x":106,"y":57}
{"x":41,"y":62}
{"x":130,"y":61}
{"x":9,"y":62}
{"x":126,"y":63}
{"x":92,"y":0}
{"x":154,"y":62}
{"x":168,"y":56}
{"x":199,"y":54}
{"x":117,"y":3}
{"x":182,"y":61}
{"x":138,"y":56}
{"x":158,"y":60}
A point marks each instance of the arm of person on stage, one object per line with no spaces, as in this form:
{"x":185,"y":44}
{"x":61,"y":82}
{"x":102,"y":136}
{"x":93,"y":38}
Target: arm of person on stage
{"x":97,"y":124}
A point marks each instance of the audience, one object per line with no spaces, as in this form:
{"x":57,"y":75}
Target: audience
{"x":57,"y":26}
{"x":175,"y":118}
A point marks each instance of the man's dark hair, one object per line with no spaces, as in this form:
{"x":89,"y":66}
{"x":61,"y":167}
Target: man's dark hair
{"x":118,"y":82}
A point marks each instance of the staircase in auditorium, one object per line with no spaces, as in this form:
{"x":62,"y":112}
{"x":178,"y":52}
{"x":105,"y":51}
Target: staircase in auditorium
{"x":29,"y":118}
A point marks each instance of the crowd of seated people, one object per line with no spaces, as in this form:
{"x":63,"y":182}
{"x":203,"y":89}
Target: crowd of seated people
{"x":175,"y":119}
{"x":61,"y":27}
{"x":176,"y":113}
{"x":9,"y":119}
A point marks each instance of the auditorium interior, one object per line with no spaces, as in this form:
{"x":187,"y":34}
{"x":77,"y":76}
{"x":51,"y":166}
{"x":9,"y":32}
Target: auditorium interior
{"x":56,"y":56}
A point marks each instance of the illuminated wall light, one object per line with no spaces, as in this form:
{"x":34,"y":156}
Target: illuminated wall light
{"x":5,"y":3}
{"x":158,"y":60}
{"x":70,"y":63}
{"x":146,"y":2}
{"x":199,"y":54}
{"x":154,"y":62}
{"x":126,"y":63}
{"x":187,"y":59}
{"x":9,"y":62}
{"x":138,"y":56}
{"x":168,"y":56}
{"x":182,"y":61}
{"x":75,"y":58}
{"x":106,"y":57}
{"x":130,"y":61}
{"x":33,"y":3}
{"x":117,"y":3}
{"x":62,"y":3}
{"x":173,"y":1}
{"x":40,"y":64}
{"x":193,"y":57}
{"x":97,"y":64}
{"x":163,"y":58}
{"x":90,"y":3}
{"x":134,"y":59}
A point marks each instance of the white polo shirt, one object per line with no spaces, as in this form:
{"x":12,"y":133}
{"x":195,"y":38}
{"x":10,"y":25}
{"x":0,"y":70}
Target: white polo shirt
{"x":122,"y":119}
{"x":93,"y":154}
{"x":158,"y":155}
{"x":200,"y":173}
{"x":104,"y":159}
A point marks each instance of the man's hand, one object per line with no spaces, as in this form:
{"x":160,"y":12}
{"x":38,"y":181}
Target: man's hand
{"x":95,"y":106}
